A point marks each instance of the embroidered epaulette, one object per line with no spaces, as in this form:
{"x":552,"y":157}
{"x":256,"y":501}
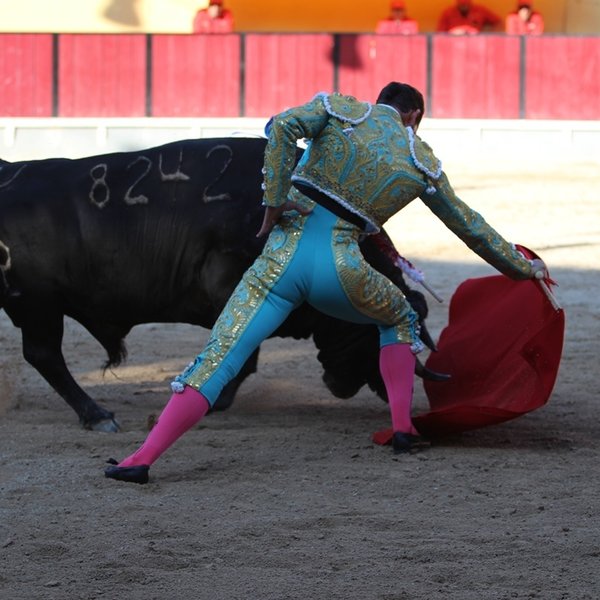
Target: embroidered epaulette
{"x":346,"y":108}
{"x":424,"y":160}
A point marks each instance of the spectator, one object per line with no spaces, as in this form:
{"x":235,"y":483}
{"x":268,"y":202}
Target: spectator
{"x":213,"y":19}
{"x":525,"y":21}
{"x":398,"y":21}
{"x":467,"y":18}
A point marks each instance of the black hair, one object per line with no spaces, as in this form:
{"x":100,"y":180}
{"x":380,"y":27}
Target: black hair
{"x":402,"y":96}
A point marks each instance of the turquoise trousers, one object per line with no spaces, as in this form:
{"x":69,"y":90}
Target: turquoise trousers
{"x":316,"y":259}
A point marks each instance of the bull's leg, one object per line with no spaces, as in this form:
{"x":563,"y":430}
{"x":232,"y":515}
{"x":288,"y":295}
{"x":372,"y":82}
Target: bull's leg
{"x":42,"y":349}
{"x":227,"y":396}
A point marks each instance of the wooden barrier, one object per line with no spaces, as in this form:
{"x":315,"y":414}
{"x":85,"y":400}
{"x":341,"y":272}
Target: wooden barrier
{"x":256,"y":75}
{"x":195,"y":76}
{"x":285,"y":70}
{"x":101,"y":75}
{"x":368,"y":62}
{"x":26,"y":75}
{"x":475,"y":77}
{"x":563,"y":78}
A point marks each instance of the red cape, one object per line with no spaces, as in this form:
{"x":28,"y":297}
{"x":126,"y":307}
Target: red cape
{"x":502,"y":348}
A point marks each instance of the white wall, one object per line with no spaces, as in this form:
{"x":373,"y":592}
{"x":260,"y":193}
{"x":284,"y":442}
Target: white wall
{"x":477,"y":141}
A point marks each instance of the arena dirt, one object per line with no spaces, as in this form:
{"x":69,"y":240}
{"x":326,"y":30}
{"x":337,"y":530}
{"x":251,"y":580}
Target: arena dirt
{"x":284,"y":496}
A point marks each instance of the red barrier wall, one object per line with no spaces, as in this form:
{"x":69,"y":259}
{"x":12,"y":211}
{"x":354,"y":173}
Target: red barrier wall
{"x":475,"y":77}
{"x":256,"y":75}
{"x":196,"y":75}
{"x":26,"y":75}
{"x":563,"y":78}
{"x":285,"y":70}
{"x":102,"y":75}
{"x":368,"y":62}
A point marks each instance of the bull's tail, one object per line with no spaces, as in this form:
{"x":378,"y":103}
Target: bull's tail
{"x":112,"y":338}
{"x":117,"y":353}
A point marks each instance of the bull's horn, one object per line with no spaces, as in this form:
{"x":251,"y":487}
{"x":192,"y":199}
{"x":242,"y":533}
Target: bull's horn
{"x":425,"y":373}
{"x":426,"y":338}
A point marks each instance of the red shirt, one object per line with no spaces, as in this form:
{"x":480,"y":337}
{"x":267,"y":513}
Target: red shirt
{"x":533,"y":26}
{"x":204,"y":24}
{"x":476,"y":19}
{"x":403,"y":26}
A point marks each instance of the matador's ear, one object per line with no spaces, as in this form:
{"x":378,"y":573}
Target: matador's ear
{"x":412,"y":118}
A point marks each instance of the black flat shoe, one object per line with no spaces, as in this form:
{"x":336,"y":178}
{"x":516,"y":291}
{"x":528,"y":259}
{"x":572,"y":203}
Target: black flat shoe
{"x":407,"y":443}
{"x":137,"y":474}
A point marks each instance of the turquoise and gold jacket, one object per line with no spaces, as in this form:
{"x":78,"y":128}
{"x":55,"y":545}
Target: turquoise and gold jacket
{"x":344,"y":135}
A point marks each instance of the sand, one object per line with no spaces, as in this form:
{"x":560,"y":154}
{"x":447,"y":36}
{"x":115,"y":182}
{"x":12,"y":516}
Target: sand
{"x":284,"y":496}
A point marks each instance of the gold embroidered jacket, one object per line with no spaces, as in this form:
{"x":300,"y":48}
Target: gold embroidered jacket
{"x":361,"y":156}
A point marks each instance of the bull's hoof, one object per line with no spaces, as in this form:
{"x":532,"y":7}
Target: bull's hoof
{"x":106,"y":426}
{"x":407,"y":443}
{"x":137,"y":474}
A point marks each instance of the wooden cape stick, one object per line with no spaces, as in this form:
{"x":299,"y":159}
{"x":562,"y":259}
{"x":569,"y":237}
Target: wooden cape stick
{"x":546,"y":289}
{"x":431,"y":291}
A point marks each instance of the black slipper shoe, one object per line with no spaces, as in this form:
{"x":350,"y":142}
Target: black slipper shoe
{"x":407,"y":443}
{"x":137,"y":474}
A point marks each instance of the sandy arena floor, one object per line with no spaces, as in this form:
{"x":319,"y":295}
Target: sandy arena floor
{"x":284,"y":496}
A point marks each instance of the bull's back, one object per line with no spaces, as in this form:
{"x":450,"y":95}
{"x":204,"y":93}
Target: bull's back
{"x":135,"y":227}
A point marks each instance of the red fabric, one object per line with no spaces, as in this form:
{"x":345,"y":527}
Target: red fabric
{"x":502,"y":348}
{"x":477,"y":18}
{"x":204,"y":23}
{"x":516,"y":26}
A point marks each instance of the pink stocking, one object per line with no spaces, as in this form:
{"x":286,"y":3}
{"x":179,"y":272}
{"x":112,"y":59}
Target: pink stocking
{"x":397,"y":366}
{"x":181,"y":413}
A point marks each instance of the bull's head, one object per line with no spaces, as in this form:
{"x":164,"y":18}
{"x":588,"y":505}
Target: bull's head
{"x":350,"y":353}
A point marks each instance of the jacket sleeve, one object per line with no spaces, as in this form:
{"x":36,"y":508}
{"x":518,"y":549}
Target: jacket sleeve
{"x":472,"y":229}
{"x":286,"y":129}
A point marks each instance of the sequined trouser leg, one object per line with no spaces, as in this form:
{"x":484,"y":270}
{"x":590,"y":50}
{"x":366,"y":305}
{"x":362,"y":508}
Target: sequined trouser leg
{"x":314,"y":259}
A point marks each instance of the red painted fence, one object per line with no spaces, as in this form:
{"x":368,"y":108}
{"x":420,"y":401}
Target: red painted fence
{"x":101,"y":75}
{"x":25,"y":75}
{"x":368,"y":62}
{"x":563,"y":78}
{"x":256,"y":75}
{"x":475,"y":77}
{"x":286,"y":70}
{"x":195,"y":76}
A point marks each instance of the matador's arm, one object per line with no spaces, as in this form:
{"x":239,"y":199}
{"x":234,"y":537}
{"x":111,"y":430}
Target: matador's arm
{"x":473,"y":230}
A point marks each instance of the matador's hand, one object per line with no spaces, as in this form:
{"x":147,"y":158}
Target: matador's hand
{"x":538,"y":269}
{"x":272,"y":215}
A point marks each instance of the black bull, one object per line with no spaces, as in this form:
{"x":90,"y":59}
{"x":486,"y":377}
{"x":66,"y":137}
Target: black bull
{"x":160,"y":235}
